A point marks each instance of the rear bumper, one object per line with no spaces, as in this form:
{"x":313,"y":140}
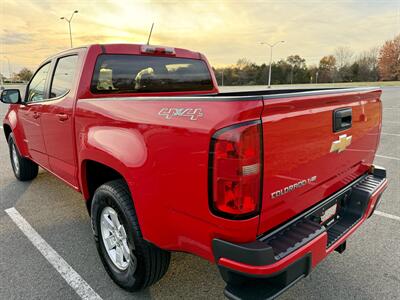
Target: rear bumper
{"x":277,"y":260}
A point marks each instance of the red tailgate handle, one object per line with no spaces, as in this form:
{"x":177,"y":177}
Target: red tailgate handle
{"x":36,"y":115}
{"x":62,"y":117}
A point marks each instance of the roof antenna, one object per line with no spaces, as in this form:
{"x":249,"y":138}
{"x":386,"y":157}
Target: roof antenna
{"x":151,"y":30}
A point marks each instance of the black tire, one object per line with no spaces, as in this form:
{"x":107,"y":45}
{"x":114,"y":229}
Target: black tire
{"x":27,"y":169}
{"x":151,"y":262}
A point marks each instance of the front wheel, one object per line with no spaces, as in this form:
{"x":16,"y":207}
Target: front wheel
{"x":24,"y":169}
{"x":131,"y":262}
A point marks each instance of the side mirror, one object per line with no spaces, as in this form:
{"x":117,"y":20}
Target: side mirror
{"x":10,"y":96}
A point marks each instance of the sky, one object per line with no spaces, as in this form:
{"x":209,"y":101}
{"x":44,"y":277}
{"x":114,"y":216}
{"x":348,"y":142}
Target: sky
{"x":223,"y":30}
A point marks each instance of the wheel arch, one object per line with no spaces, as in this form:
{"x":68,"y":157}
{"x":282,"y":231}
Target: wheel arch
{"x":7,"y":130}
{"x":105,"y":153}
{"x":122,"y":153}
{"x":12,"y":125}
{"x":94,"y":173}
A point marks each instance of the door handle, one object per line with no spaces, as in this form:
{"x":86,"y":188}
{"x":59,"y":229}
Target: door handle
{"x":36,"y":115}
{"x":62,"y":117}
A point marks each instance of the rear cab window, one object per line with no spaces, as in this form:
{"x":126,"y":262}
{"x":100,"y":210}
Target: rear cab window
{"x":149,"y":74}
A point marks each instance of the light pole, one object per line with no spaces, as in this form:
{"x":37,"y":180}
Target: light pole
{"x":9,"y":66}
{"x":69,"y":24}
{"x":270,"y":60}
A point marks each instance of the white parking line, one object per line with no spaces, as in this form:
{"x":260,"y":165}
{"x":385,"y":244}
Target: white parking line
{"x":393,"y":134}
{"x":391,"y":122}
{"x":66,"y":271}
{"x":388,"y":157}
{"x":380,"y":213}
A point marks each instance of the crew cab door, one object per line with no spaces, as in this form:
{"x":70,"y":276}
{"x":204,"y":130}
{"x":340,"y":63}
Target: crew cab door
{"x":57,"y":120}
{"x":30,"y":115}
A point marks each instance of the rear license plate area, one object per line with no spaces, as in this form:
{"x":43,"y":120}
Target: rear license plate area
{"x":329,"y":214}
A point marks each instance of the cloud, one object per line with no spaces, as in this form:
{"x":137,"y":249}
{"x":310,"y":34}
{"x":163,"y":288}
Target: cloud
{"x":223,"y":30}
{"x":14,"y":38}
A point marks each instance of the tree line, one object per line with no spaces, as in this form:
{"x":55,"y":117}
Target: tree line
{"x":376,"y":64}
{"x":21,"y":77}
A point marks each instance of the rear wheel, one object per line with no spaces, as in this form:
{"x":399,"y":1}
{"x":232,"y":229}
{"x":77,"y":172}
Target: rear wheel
{"x":24,"y":169}
{"x":132,"y":262}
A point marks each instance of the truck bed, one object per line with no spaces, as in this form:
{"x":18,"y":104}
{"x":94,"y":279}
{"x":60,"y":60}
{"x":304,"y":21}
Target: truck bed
{"x":295,"y":92}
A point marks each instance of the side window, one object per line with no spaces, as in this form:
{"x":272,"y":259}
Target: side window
{"x":38,"y":83}
{"x":63,"y":76}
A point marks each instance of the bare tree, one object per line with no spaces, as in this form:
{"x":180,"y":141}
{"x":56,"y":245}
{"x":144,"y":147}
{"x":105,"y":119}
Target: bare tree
{"x":243,"y":63}
{"x":343,"y":56}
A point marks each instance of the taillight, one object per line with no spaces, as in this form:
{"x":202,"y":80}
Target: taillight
{"x":235,"y":171}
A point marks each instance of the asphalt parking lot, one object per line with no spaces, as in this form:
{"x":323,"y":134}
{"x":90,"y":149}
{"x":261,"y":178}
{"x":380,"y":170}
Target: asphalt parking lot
{"x":368,"y":269}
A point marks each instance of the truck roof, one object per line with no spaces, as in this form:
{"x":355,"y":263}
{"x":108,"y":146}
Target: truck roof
{"x":135,"y":49}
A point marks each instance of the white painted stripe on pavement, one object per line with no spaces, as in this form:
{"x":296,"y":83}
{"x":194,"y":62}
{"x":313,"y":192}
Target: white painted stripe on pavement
{"x":388,"y":157}
{"x":380,"y":213}
{"x":393,"y":134}
{"x":66,"y":271}
{"x":391,"y":122}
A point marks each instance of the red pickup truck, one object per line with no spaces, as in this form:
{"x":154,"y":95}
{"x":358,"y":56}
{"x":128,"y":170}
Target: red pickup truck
{"x":265,"y":184}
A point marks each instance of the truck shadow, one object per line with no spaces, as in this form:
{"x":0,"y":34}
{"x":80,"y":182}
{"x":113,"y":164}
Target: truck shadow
{"x":189,"y":277}
{"x":11,"y":193}
{"x":59,"y":215}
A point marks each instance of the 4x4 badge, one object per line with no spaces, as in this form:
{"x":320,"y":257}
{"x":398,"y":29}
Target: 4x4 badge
{"x":191,"y":113}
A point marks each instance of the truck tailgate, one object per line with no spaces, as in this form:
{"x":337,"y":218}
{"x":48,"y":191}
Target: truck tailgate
{"x":305,"y":160}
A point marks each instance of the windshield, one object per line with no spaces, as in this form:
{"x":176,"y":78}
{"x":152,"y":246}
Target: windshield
{"x":149,"y":74}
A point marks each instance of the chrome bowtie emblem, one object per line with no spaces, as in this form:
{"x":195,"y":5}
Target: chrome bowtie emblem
{"x":341,"y":144}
